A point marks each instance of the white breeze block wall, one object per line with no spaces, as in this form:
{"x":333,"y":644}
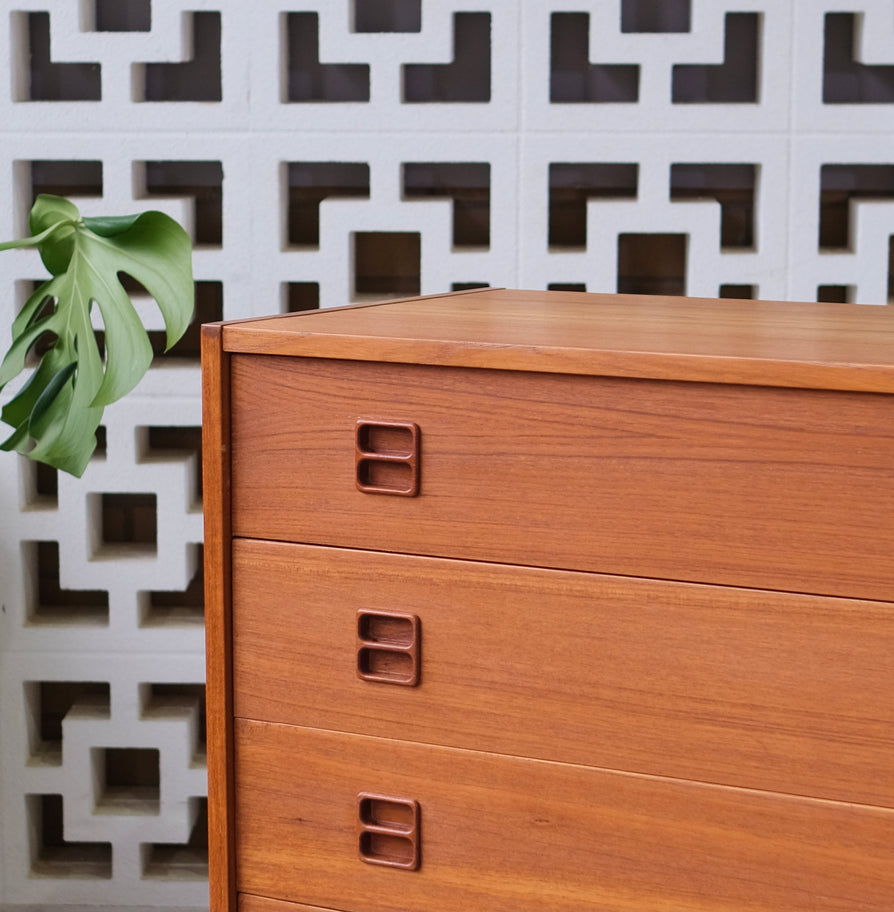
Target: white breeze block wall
{"x":329,"y":151}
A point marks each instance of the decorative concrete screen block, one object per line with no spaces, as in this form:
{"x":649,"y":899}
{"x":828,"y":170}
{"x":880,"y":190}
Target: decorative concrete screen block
{"x":336,"y":151}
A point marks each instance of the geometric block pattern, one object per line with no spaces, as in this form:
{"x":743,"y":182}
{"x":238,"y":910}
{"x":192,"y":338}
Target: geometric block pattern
{"x":336,"y":151}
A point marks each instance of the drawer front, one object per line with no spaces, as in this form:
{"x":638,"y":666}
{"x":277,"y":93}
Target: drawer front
{"x":788,"y":693}
{"x":250,"y":903}
{"x":746,"y":486}
{"x":496,"y":832}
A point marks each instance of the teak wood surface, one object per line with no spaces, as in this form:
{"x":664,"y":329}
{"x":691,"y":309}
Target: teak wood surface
{"x":767,"y":343}
{"x":577,"y":740}
{"x":502,"y":832}
{"x":251,"y":903}
{"x":741,"y":486}
{"x":765,"y":690}
{"x":218,"y":641}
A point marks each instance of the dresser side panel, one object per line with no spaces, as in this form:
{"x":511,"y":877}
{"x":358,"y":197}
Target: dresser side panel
{"x":218,"y":638}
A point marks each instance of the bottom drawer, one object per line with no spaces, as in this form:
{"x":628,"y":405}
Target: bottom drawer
{"x":500,"y":832}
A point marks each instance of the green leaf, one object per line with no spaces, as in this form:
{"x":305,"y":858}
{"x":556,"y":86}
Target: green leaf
{"x":56,"y":413}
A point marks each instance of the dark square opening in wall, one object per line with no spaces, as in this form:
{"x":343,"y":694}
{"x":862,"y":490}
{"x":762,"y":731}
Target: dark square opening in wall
{"x":127,"y":780}
{"x":845,"y":79}
{"x":49,"y":603}
{"x":387,"y":15}
{"x":735,"y":81}
{"x":195,"y":79}
{"x":573,"y":184}
{"x":732,"y":186}
{"x":833,"y":294}
{"x":574,"y":78}
{"x":298,"y":296}
{"x":123,"y":15}
{"x":466,"y":184}
{"x":47,"y":704}
{"x":306,"y":78}
{"x":173,"y":861}
{"x":841,"y":186}
{"x":467,"y":78}
{"x":66,"y":177}
{"x":164,"y":608}
{"x":50,"y":80}
{"x":652,"y":264}
{"x":129,"y":520}
{"x":656,"y":15}
{"x":51,"y":855}
{"x":201,"y":180}
{"x":309,"y":184}
{"x":387,"y":263}
{"x":744,"y":292}
{"x":208,"y":309}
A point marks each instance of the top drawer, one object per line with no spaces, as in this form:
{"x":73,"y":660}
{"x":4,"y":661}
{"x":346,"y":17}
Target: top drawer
{"x":747,"y":486}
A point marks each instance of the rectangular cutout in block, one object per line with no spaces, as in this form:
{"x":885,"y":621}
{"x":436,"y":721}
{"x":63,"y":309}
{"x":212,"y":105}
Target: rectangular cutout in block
{"x":184,"y":702}
{"x":841,"y":186}
{"x":180,"y":861}
{"x":127,"y":780}
{"x":177,"y":607}
{"x":387,"y":263}
{"x":309,"y":184}
{"x":299,"y":296}
{"x":652,"y":264}
{"x":198,"y":78}
{"x":51,"y":855}
{"x":467,"y":78}
{"x":467,"y":184}
{"x":129,"y":520}
{"x":50,"y":80}
{"x":51,"y":603}
{"x":732,"y":186}
{"x":387,"y":15}
{"x":306,"y":79}
{"x":48,"y":703}
{"x":573,"y":184}
{"x":735,"y":81}
{"x":573,"y":78}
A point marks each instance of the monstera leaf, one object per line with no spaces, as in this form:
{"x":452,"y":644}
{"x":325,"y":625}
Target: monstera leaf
{"x":57,"y":412}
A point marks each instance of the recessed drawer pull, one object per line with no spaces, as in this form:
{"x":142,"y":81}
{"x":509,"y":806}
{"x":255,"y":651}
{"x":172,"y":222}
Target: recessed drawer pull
{"x":388,"y":831}
{"x":388,"y":647}
{"x":387,"y":457}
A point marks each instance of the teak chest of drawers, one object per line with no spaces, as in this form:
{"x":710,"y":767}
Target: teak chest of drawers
{"x":539,"y":600}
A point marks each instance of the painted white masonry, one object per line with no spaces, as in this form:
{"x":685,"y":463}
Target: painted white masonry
{"x":585,"y":138}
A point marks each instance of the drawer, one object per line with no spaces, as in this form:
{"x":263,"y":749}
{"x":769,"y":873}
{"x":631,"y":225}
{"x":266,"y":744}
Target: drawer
{"x":249,"y":903}
{"x":782,"y":692}
{"x":497,"y":832}
{"x":746,"y":486}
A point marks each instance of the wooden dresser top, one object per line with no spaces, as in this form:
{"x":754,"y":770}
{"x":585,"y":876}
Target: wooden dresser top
{"x":761,"y":343}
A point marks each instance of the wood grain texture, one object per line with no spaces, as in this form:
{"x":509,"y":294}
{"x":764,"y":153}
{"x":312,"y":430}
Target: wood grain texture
{"x":757,"y":689}
{"x":218,"y":646}
{"x":770,"y":488}
{"x":250,"y":903}
{"x":822,"y":346}
{"x":510,"y":833}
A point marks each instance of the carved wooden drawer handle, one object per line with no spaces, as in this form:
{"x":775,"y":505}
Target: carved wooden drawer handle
{"x":388,"y":647}
{"x":388,"y":831}
{"x":387,"y":457}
